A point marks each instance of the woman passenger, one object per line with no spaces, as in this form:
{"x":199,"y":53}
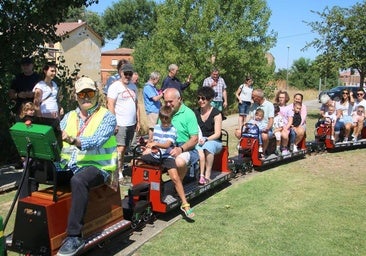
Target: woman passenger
{"x":210,"y":123}
{"x":344,"y":115}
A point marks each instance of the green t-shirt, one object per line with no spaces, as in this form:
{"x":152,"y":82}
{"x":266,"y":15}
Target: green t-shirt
{"x":186,"y":124}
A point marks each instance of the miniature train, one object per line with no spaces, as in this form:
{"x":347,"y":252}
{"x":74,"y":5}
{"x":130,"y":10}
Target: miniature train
{"x":41,"y":217}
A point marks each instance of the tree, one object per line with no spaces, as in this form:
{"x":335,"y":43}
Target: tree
{"x":130,"y":20}
{"x":342,"y":38}
{"x":25,"y":26}
{"x":199,"y":35}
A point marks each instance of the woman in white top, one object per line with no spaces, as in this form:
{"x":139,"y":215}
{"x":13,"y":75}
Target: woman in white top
{"x":45,"y":94}
{"x":244,"y":96}
{"x":344,"y":115}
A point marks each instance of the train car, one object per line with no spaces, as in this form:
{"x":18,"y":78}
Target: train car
{"x":162,"y":194}
{"x":249,"y":156}
{"x":324,"y":137}
{"x":41,"y":218}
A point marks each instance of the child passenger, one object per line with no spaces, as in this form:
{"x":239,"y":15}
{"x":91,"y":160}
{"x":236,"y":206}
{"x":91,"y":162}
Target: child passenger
{"x":164,"y":138}
{"x":358,"y":117}
{"x":296,"y":128}
{"x":330,"y":118}
{"x":258,"y":120}
{"x":278,"y":124}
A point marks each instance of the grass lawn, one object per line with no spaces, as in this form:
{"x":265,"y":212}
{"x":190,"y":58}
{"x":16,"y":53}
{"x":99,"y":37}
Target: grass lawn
{"x":300,"y":208}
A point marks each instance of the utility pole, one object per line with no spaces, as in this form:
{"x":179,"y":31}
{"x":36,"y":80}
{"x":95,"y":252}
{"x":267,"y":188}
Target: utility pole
{"x":288,"y":55}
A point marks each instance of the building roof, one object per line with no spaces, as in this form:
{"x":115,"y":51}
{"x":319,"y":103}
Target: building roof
{"x":64,"y":28}
{"x":119,"y":51}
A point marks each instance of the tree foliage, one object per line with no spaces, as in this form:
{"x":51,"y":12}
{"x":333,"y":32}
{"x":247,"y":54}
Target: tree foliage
{"x":130,"y":20}
{"x":199,"y":35}
{"x":25,"y":27}
{"x":342,"y":37}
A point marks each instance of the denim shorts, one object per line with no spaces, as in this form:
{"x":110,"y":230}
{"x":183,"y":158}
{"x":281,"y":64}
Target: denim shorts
{"x":244,"y":108}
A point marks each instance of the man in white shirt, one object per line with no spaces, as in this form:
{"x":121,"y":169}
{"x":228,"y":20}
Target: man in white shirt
{"x":122,"y":102}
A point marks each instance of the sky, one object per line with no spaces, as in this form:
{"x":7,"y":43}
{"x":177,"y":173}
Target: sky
{"x":286,"y":19}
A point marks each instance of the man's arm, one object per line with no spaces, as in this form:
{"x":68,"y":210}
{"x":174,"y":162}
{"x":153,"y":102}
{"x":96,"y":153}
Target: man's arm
{"x":224,"y":95}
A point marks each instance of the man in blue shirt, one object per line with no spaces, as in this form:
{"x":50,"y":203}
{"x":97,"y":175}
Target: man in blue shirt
{"x":152,"y":102}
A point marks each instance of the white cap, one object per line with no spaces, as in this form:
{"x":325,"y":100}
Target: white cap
{"x":84,"y":83}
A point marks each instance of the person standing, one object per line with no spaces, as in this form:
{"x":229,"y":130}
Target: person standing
{"x":152,"y":102}
{"x":244,"y":97}
{"x":122,"y":102}
{"x":218,"y":84}
{"x":46,"y":93}
{"x":21,"y":89}
{"x":114,"y":77}
{"x":171,"y":81}
{"x":89,"y":151}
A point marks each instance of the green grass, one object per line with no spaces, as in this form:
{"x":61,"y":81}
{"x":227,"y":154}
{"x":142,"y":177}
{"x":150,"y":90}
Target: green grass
{"x":290,"y":210}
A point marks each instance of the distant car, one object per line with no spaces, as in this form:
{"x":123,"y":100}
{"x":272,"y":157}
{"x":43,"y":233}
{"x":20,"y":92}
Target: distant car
{"x":336,"y":92}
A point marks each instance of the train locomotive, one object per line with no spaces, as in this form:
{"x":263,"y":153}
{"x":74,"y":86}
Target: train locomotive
{"x":41,"y":217}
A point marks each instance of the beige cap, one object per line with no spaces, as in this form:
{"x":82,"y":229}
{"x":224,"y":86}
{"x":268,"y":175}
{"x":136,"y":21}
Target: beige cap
{"x":84,"y":83}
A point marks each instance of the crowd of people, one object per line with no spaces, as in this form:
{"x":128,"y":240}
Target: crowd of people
{"x":95,"y":137}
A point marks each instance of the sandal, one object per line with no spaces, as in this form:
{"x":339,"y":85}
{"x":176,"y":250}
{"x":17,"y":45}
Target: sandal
{"x":188,"y":213}
{"x":202,"y":180}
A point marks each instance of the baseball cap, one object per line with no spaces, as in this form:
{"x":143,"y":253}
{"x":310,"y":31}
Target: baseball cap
{"x":127,"y":67}
{"x":26,"y":60}
{"x":84,"y":83}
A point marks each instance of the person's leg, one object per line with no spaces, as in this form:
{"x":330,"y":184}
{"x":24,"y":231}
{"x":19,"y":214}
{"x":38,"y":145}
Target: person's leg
{"x":176,"y":179}
{"x":209,"y":162}
{"x":80,"y":183}
{"x":201,"y":154}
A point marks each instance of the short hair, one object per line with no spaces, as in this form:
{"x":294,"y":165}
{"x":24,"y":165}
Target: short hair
{"x":120,"y":63}
{"x":172,"y":67}
{"x":155,"y":75}
{"x":166,"y":113}
{"x":259,"y":93}
{"x":361,"y":107}
{"x":324,"y":98}
{"x":297,"y":104}
{"x":259,"y":111}
{"x":206,"y":91}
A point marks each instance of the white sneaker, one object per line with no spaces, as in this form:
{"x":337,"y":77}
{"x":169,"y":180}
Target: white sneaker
{"x":345,"y":140}
{"x":285,"y":152}
{"x":332,"y":138}
{"x":295,"y":149}
{"x":260,"y":150}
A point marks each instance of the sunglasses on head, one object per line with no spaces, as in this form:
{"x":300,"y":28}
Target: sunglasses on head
{"x":201,"y":98}
{"x":127,"y":73}
{"x":83,"y":95}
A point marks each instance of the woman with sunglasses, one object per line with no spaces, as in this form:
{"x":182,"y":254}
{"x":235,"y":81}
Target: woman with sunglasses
{"x":45,"y":94}
{"x":210,"y":123}
{"x":344,"y":115}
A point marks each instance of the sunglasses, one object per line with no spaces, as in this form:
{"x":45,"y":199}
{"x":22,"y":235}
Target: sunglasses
{"x":128,"y":73}
{"x":360,"y":94}
{"x":203,"y":98}
{"x":83,"y":95}
{"x":345,"y":93}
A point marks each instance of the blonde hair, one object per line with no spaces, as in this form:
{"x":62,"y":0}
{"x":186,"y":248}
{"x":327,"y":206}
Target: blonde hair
{"x":25,"y":107}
